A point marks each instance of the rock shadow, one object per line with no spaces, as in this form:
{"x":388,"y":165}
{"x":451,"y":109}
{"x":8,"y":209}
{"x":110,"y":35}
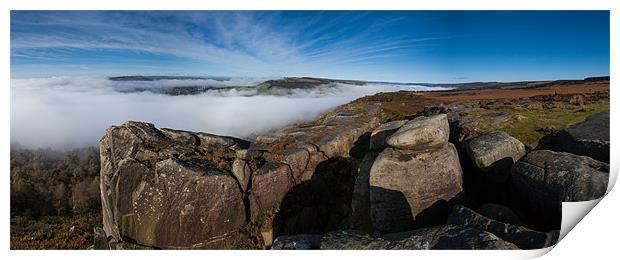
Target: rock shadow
{"x":437,"y":213}
{"x":321,"y":204}
{"x":392,"y":213}
{"x":499,"y":171}
{"x":479,"y":188}
{"x":361,"y":146}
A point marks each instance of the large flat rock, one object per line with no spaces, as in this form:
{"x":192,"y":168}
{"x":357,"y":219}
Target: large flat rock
{"x":421,"y":133}
{"x":522,"y":237}
{"x":571,"y":177}
{"x":166,"y":189}
{"x":270,"y":184}
{"x":589,"y":138}
{"x":452,"y":237}
{"x":543,"y":179}
{"x":403,"y":184}
{"x":190,"y":217}
{"x":381,"y":133}
{"x":165,"y":207}
{"x":494,"y":154}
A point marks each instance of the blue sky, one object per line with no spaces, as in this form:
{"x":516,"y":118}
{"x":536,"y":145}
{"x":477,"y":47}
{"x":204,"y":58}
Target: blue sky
{"x":402,"y":46}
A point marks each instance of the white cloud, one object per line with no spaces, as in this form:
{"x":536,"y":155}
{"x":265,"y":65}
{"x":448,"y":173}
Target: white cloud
{"x":66,"y":112}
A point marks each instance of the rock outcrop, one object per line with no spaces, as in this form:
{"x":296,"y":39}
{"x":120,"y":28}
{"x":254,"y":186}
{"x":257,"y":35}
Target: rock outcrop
{"x":522,"y":237}
{"x":543,"y":179}
{"x":440,"y":237}
{"x":333,"y":135}
{"x":589,"y":138}
{"x":572,"y":177}
{"x":346,"y":181}
{"x":421,"y":133}
{"x":462,"y":238}
{"x":270,"y":184}
{"x":297,"y":242}
{"x":166,"y":188}
{"x":403,"y":186}
{"x":494,"y":154}
{"x":380,"y":134}
{"x":500,"y":213}
{"x":153,"y":186}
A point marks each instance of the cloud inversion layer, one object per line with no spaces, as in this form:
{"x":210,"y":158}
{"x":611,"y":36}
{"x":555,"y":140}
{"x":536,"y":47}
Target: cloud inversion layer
{"x":68,"y":112}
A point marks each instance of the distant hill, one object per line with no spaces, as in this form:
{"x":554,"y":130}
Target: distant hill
{"x":281,"y":86}
{"x":154,"y":78}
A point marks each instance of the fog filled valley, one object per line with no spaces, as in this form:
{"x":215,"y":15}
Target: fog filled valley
{"x":75,"y":111}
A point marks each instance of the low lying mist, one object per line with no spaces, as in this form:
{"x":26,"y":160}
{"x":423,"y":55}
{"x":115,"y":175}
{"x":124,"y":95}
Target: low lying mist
{"x":73,"y":112}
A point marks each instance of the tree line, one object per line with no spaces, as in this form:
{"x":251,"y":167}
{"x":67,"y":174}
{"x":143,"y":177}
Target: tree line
{"x":48,"y":182}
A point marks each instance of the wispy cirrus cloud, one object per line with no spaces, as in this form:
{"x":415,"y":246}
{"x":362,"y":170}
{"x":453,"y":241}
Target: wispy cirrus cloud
{"x":241,"y":43}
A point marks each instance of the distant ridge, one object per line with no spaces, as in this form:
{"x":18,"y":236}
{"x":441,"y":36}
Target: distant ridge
{"x":154,"y":78}
{"x":288,"y":83}
{"x":294,"y":81}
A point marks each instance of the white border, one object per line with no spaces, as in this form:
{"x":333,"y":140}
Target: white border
{"x":594,"y":236}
